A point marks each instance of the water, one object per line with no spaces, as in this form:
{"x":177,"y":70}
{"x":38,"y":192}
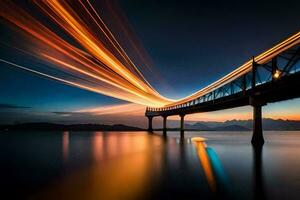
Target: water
{"x":136,"y":165}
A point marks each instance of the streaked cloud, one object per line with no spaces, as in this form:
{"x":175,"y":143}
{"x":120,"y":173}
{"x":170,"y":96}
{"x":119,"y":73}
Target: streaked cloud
{"x":64,"y":114}
{"x":12,"y":106}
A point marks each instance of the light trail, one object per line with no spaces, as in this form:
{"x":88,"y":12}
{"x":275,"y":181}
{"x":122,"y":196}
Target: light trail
{"x":100,"y":64}
{"x":58,"y":79}
{"x":100,"y":67}
{"x":110,"y":36}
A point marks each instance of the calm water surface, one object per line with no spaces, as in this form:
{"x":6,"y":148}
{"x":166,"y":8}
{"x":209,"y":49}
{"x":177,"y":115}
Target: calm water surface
{"x":137,"y":166}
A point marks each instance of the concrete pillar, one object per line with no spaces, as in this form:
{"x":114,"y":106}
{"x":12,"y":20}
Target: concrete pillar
{"x":182,"y":126}
{"x":150,"y":129}
{"x":164,"y":125}
{"x":257,"y":137}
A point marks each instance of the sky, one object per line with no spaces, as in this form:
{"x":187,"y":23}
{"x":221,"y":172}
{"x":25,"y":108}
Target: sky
{"x":188,"y":45}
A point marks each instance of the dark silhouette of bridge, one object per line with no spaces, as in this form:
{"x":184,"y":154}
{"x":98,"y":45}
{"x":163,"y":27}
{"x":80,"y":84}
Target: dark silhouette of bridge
{"x":277,"y":78}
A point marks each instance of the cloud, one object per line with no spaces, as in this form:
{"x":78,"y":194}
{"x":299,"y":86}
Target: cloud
{"x":12,"y":106}
{"x":64,"y":114}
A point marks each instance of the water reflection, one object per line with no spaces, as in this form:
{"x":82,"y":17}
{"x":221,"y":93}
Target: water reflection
{"x":218,"y":168}
{"x":259,"y":191}
{"x":122,"y":168}
{"x":205,"y":162}
{"x":65,"y":143}
{"x":126,"y":166}
{"x":213,"y":169}
{"x":215,"y":173}
{"x":134,"y":166}
{"x":97,"y":146}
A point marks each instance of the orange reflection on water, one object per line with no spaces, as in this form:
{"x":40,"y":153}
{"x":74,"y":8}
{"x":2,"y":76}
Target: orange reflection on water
{"x":204,"y":159}
{"x":65,"y":143}
{"x":125,"y":171}
{"x":97,"y":144}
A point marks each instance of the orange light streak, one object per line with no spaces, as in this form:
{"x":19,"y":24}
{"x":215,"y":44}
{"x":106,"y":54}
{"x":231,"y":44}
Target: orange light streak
{"x":79,"y":32}
{"x":204,"y":159}
{"x":100,"y":64}
{"x":93,"y":68}
{"x":111,"y":37}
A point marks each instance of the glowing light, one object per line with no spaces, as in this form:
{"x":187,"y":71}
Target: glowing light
{"x":102,"y":67}
{"x":277,"y":74}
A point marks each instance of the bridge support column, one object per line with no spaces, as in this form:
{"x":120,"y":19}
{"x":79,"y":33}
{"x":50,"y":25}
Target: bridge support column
{"x":150,"y":129}
{"x":181,"y":126}
{"x":165,"y":125}
{"x":257,"y":137}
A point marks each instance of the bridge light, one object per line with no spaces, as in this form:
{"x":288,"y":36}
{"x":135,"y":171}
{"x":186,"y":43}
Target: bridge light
{"x":277,"y":74}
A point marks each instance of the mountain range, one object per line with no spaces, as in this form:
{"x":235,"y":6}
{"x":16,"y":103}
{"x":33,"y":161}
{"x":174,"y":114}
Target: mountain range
{"x":245,"y":125}
{"x":72,"y":127}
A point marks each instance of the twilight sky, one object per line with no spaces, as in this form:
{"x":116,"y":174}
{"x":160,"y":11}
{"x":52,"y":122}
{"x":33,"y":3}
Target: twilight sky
{"x":188,"y":44}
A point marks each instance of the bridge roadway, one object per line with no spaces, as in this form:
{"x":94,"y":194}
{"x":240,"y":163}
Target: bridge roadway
{"x":278,"y":79}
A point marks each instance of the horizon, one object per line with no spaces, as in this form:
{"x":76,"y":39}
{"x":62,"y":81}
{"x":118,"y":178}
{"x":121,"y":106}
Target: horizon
{"x":157,"y":125}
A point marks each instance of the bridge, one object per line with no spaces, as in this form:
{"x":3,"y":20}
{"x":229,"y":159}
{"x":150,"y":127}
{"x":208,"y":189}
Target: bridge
{"x":267,"y":78}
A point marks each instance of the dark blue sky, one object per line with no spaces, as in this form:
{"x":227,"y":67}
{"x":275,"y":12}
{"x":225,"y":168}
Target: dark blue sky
{"x":191,"y":43}
{"x":194,"y":43}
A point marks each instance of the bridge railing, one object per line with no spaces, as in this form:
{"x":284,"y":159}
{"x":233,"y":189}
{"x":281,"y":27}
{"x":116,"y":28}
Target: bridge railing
{"x":284,"y":64}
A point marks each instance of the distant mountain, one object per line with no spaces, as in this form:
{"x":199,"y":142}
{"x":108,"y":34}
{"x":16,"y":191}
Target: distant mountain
{"x":239,"y":125}
{"x":201,"y":126}
{"x":231,"y":128}
{"x":73,"y":127}
{"x":197,"y":126}
{"x":270,"y":124}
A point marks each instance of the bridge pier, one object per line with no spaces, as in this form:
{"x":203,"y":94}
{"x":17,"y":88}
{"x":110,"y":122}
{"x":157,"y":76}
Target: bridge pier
{"x":257,"y":137}
{"x":150,"y":129}
{"x":182,"y":126}
{"x":164,"y":125}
